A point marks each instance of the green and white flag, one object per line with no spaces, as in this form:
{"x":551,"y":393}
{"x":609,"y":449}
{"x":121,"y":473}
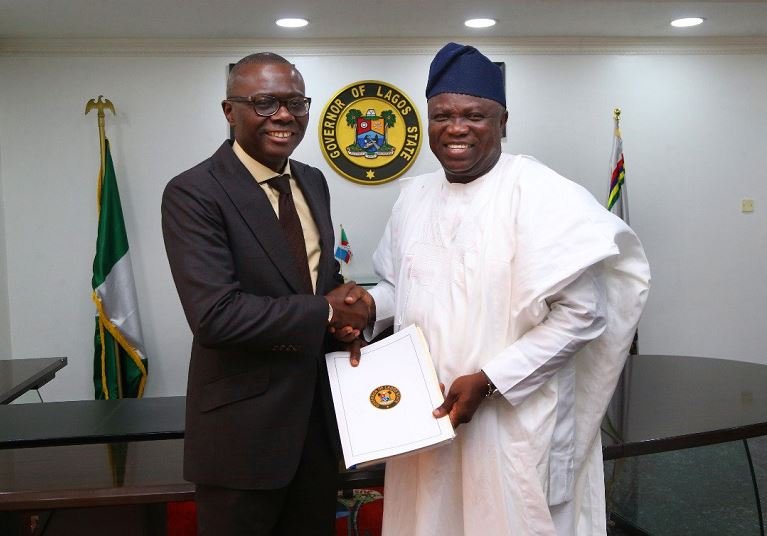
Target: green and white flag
{"x":120,"y":362}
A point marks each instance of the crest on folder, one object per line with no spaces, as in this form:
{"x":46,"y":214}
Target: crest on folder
{"x":385,"y":397}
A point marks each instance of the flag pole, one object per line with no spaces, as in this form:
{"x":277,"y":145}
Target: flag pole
{"x":617,"y":203}
{"x":625,"y":214}
{"x":341,"y":264}
{"x":100,"y":104}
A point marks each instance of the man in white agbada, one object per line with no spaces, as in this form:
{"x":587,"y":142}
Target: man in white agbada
{"x":522,"y":283}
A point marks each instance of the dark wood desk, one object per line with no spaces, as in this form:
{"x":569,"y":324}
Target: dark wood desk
{"x":96,"y":464}
{"x":117,"y":488}
{"x":17,"y":376}
{"x":100,"y":474}
{"x":82,"y":458}
{"x":91,"y":421}
{"x":678,"y":402}
{"x":687,"y":463}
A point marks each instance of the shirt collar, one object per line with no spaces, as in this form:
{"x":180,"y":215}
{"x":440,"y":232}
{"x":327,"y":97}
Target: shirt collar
{"x":259,"y":171}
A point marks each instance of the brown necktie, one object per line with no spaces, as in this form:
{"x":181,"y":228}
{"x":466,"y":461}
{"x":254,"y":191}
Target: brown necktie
{"x":291,"y":225}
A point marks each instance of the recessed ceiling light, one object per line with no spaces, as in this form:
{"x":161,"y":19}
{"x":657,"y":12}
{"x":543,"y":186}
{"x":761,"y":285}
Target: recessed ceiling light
{"x":687,"y":22}
{"x":480,"y":23}
{"x":291,"y":23}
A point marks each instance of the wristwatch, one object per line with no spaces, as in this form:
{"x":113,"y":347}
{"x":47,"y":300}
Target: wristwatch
{"x":330,"y":313}
{"x":492,"y":390}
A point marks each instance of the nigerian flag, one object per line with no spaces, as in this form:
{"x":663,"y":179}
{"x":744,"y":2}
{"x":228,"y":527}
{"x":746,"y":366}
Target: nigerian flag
{"x":120,"y":363}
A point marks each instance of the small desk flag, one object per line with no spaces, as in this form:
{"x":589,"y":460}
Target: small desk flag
{"x":344,"y":250}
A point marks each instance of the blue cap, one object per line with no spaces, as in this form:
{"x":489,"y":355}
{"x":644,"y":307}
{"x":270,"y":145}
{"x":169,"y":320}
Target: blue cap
{"x":464,"y":69}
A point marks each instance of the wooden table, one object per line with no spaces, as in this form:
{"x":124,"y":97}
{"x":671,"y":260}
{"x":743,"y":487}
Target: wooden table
{"x":99,"y":474}
{"x":677,"y":402}
{"x":120,"y":489}
{"x":92,"y":459}
{"x":91,"y":421}
{"x":128,"y":453}
{"x":97,"y":466}
{"x":17,"y":376}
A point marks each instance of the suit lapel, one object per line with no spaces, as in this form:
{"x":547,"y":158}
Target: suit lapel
{"x":254,"y":207}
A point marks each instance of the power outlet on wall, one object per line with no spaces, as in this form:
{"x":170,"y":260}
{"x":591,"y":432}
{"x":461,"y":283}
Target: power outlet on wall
{"x":747,"y":205}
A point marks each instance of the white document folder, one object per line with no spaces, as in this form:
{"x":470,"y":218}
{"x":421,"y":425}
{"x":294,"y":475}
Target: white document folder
{"x":384,"y":406}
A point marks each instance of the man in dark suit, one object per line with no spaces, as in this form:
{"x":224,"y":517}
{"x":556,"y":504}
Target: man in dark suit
{"x":253,"y":264}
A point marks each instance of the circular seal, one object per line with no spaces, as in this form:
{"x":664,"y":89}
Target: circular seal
{"x":370,"y":132}
{"x":385,"y":397}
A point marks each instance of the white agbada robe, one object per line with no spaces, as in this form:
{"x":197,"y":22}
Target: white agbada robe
{"x":477,"y":266}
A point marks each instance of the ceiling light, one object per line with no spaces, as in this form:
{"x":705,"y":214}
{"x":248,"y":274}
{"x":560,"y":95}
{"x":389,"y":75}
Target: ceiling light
{"x":686,"y":23}
{"x":291,"y":23}
{"x":479,"y":23}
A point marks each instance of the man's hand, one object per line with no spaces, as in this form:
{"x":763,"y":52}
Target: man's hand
{"x":357,"y":293}
{"x":350,"y":309}
{"x":354,"y":297}
{"x":354,"y":348}
{"x":463,"y":399}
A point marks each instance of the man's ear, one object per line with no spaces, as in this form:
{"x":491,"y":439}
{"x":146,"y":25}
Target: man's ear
{"x":227,"y":107}
{"x":504,"y":118}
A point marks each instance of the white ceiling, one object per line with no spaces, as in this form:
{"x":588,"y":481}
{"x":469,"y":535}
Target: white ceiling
{"x":373,"y":19}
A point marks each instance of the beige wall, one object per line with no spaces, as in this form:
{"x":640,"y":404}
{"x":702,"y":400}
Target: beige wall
{"x":5,"y":324}
{"x":694,"y":128}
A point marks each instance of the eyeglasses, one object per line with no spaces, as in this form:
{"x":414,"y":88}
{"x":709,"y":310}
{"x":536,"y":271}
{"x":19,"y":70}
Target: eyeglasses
{"x":268,"y":105}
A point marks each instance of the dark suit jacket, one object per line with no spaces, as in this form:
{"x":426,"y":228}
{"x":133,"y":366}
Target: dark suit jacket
{"x":257,"y":352}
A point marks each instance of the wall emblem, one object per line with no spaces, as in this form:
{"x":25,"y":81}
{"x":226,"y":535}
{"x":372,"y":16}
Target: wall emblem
{"x":370,"y":132}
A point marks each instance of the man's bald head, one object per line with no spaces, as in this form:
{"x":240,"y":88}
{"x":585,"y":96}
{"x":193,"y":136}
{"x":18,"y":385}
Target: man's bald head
{"x":257,"y":58}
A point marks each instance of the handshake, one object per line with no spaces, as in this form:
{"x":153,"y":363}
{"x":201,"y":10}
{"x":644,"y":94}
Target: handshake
{"x":353,"y":310}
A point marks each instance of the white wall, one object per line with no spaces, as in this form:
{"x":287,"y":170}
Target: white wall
{"x":5,"y":323}
{"x":693,"y":126}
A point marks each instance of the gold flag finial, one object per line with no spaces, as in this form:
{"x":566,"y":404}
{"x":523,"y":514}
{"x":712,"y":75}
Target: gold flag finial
{"x":100,"y":104}
{"x":617,"y":119}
